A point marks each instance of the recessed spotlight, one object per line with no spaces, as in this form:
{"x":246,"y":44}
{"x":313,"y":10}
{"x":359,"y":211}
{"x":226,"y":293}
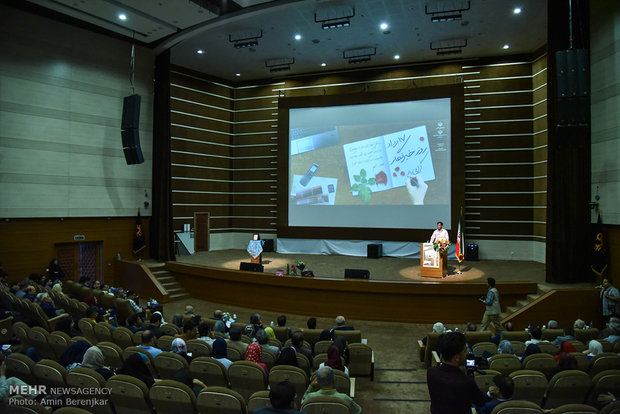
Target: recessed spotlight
{"x":516,"y":10}
{"x":200,"y":51}
{"x":122,"y":16}
{"x":323,"y":64}
{"x":297,"y":37}
{"x":383,"y":26}
{"x":506,"y":46}
{"x":396,"y":57}
{"x":237,"y":74}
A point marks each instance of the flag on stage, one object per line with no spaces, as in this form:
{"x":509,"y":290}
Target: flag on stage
{"x":599,"y":249}
{"x":460,"y":240}
{"x":139,"y":242}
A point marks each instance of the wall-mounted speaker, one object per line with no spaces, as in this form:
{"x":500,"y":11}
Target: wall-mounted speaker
{"x":130,"y":130}
{"x":251,"y":267}
{"x":356,"y":274}
{"x":374,"y":251}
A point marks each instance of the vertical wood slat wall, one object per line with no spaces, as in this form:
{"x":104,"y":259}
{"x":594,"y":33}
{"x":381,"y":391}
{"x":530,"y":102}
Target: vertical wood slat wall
{"x":224,"y":142}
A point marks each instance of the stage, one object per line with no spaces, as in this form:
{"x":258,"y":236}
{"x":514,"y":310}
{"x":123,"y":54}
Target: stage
{"x":391,"y":269}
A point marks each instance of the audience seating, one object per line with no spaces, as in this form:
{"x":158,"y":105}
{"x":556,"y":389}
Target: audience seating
{"x":6,"y":329}
{"x":548,"y":348}
{"x":567,"y":387}
{"x":170,"y":329}
{"x":542,"y":362}
{"x":517,"y":407}
{"x":137,"y":338}
{"x":311,"y":336}
{"x":295,"y":375}
{"x":129,"y":395}
{"x":30,"y":407}
{"x":530,"y":385}
{"x":431,"y":345}
{"x":209,"y":371}
{"x":352,"y":337}
{"x":172,"y":397}
{"x":134,"y":349}
{"x":39,"y":338}
{"x":246,"y":378}
{"x":583,"y":362}
{"x":222,"y":401}
{"x":275,"y":342}
{"x":59,"y":342}
{"x":342,"y":382}
{"x":603,"y":362}
{"x":88,"y":378}
{"x":20,"y":330}
{"x":579,"y":346}
{"x":325,"y":404}
{"x":167,"y":364}
{"x":551,"y":334}
{"x":20,"y":366}
{"x":484,"y":381}
{"x":505,"y":363}
{"x":613,"y":408}
{"x":258,"y":400}
{"x":103,"y":331}
{"x":586,"y":335}
{"x":87,"y":328}
{"x":303,"y":363}
{"x":72,"y":410}
{"x":520,"y":336}
{"x":478,"y":336}
{"x":361,"y":361}
{"x":306,"y":344}
{"x":518,"y":347}
{"x":112,"y":354}
{"x":233,"y":354}
{"x":282,"y":333}
{"x":321,"y":347}
{"x":122,"y":336}
{"x":607,"y":346}
{"x":268,"y":358}
{"x":481,"y":347}
{"x":50,"y":373}
{"x":198,"y":348}
{"x":164,"y":342}
{"x":602,"y":383}
{"x":574,"y":409}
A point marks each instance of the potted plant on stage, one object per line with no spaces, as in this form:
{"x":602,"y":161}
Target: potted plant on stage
{"x":441,"y":246}
{"x":302,"y":266}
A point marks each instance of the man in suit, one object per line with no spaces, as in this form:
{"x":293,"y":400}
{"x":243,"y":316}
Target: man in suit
{"x":341,"y":325}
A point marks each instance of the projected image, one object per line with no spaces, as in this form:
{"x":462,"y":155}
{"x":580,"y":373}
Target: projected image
{"x":368,"y":165}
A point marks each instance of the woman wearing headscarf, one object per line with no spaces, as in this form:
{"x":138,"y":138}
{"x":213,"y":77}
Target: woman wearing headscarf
{"x":73,"y":356}
{"x":530,"y":350}
{"x":341,"y":344}
{"x":566,"y":348}
{"x":334,"y":360}
{"x":135,"y":366}
{"x":66,"y":325}
{"x":93,"y":359}
{"x":594,"y":348}
{"x":326,"y":335}
{"x":220,"y":352}
{"x":255,"y":354}
{"x":270,"y":333}
{"x":180,"y":347}
{"x":505,"y":347}
{"x":288,"y":356}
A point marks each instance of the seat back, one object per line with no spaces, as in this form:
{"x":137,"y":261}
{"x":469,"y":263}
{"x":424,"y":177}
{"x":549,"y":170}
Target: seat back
{"x":103,"y":332}
{"x":361,"y":360}
{"x":540,"y":362}
{"x":518,"y":347}
{"x":352,"y":337}
{"x":613,"y":408}
{"x":603,"y":362}
{"x":431,"y":345}
{"x":39,"y":338}
{"x":50,"y":373}
{"x":233,"y":353}
{"x":168,"y":364}
{"x":574,"y":409}
{"x":71,"y":410}
{"x":282,"y":333}
{"x":87,"y":378}
{"x":473,"y":337}
{"x":583,"y":362}
{"x":311,"y":336}
{"x":129,"y":395}
{"x":170,"y":329}
{"x":567,"y":387}
{"x":172,"y":397}
{"x":481,"y":347}
{"x":607,"y":346}
{"x":122,"y":337}
{"x":209,"y":371}
{"x":246,"y":378}
{"x":505,"y":363}
{"x":164,"y":342}
{"x":586,"y":335}
{"x":295,"y":375}
{"x":529,"y":385}
{"x":324,"y":404}
{"x":579,"y":346}
{"x":602,"y":383}
{"x":87,"y":327}
{"x":303,"y":363}
{"x":268,"y":358}
{"x":551,"y":334}
{"x":20,"y":330}
{"x":318,"y":360}
{"x":517,"y":407}
{"x":20,"y":366}
{"x":135,"y":349}
{"x":198,"y":348}
{"x":321,"y":347}
{"x":258,"y":400}
{"x":484,"y":381}
{"x":112,"y":354}
{"x":520,"y":336}
{"x":221,"y":400}
{"x":59,"y":342}
{"x":548,"y":348}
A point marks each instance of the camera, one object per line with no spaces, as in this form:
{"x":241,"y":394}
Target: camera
{"x":470,"y":361}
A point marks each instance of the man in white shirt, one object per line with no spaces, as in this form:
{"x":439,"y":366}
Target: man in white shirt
{"x":440,"y":233}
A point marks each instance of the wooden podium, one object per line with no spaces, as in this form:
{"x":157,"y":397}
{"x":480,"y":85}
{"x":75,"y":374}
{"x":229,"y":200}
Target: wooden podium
{"x":432,"y":264}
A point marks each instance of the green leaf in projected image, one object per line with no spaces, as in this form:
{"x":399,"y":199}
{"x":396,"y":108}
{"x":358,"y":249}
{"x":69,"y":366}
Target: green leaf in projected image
{"x":357,"y":178}
{"x":364,"y":180}
{"x":372,"y":181}
{"x":365,"y":193}
{"x":363,"y":173}
{"x":355,"y":187}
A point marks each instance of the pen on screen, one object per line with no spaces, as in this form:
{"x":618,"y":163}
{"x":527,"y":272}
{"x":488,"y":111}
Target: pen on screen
{"x":414,"y":181}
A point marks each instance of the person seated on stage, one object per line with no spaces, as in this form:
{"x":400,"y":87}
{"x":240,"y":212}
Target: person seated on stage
{"x":341,"y":324}
{"x":297,"y":342}
{"x":440,"y":233}
{"x":536,"y":335}
{"x":155,"y":325}
{"x":147,"y":343}
{"x":235,"y":340}
{"x":263,"y":340}
{"x":569,"y":335}
{"x":205,"y":334}
{"x":311,"y":323}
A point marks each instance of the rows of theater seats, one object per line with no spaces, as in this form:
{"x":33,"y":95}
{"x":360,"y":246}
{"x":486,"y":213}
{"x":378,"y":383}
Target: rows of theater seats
{"x":526,"y":407}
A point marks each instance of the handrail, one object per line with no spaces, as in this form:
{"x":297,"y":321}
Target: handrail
{"x":137,"y":277}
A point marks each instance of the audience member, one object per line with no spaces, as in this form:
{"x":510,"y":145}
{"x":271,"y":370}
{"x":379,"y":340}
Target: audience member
{"x":614,"y":330}
{"x":219,"y":325}
{"x":180,"y":347}
{"x":535,"y":336}
{"x":270,"y":333}
{"x":288,"y":356}
{"x":297,"y":341}
{"x":134,"y":323}
{"x":438,"y":328}
{"x":254,"y":326}
{"x":500,"y":392}
{"x":565,"y":362}
{"x":579,"y":324}
{"x":189,"y":311}
{"x":282,"y":321}
{"x":263,"y":340}
{"x":569,"y":335}
{"x":135,"y":366}
{"x":566,"y":348}
{"x":54,"y":270}
{"x":552,"y":324}
{"x":311,"y":323}
{"x":324,"y":385}
{"x":471,"y":327}
{"x":155,"y":325}
{"x":73,"y":356}
{"x":205,"y":334}
{"x":45,"y":301}
{"x":341,"y":343}
{"x":190,"y":331}
{"x":326,"y":335}
{"x":594,"y":348}
{"x":450,"y":389}
{"x":93,"y":359}
{"x":235,"y":340}
{"x":282,"y":398}
{"x":66,"y":324}
{"x":610,"y":299}
{"x":334,"y":360}
{"x":341,"y":324}
{"x":185,"y":377}
{"x":6,"y":384}
{"x":531,"y":349}
{"x":147,"y":343}
{"x":220,"y":353}
{"x":255,"y":354}
{"x":505,"y":347}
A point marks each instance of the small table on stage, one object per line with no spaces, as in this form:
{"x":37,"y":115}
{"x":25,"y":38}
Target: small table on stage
{"x":432,"y":264}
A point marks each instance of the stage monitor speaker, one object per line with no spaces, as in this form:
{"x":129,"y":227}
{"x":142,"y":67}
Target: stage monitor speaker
{"x":131,"y":146}
{"x":251,"y":267}
{"x":131,"y":112}
{"x":356,"y":274}
{"x":471,"y":253}
{"x":268,"y":245}
{"x":374,"y":251}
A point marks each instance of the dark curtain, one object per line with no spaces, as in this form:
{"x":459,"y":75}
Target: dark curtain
{"x":162,"y":241}
{"x":568,"y":173}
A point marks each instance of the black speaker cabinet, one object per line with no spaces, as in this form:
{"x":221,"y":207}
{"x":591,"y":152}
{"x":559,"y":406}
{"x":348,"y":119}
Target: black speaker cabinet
{"x":251,"y":267}
{"x":471,"y":252}
{"x":356,"y":274}
{"x":572,"y":73}
{"x":268,"y":245}
{"x":131,"y":112}
{"x":131,"y":146}
{"x":374,"y":251}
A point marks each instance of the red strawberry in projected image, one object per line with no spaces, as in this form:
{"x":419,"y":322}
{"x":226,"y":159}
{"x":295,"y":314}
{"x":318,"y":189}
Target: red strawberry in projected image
{"x":381,"y":178}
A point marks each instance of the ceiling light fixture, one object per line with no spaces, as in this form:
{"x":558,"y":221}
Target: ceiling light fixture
{"x":323,"y":64}
{"x":279,"y":64}
{"x":446,"y":11}
{"x":334,"y":17}
{"x":506,"y":46}
{"x":517,"y":10}
{"x":449,"y":47}
{"x":122,"y":16}
{"x":383,"y":26}
{"x":245,"y":39}
{"x":359,"y":55}
{"x":396,"y":57}
{"x":237,"y":74}
{"x":297,"y":37}
{"x":200,"y":51}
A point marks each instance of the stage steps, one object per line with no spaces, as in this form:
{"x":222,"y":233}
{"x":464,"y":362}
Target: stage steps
{"x":173,"y":288}
{"x":523,"y":302}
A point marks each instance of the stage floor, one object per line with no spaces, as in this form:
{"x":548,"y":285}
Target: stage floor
{"x":384,"y":268}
